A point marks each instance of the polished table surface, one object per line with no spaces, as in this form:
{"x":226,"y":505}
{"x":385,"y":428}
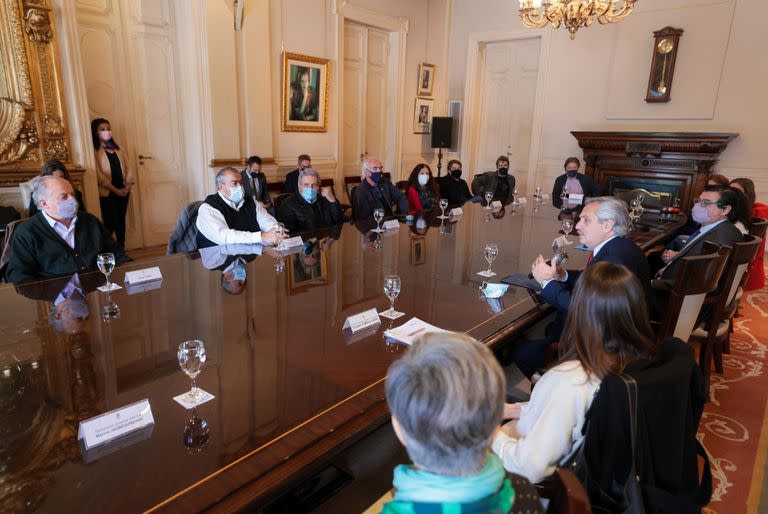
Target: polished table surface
{"x":289,"y":384}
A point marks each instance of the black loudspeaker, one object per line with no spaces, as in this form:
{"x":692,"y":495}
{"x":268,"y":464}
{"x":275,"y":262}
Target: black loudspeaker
{"x":442,"y":129}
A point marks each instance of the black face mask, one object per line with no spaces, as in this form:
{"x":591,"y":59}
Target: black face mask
{"x":503,"y":171}
{"x":456,"y":173}
{"x":571,"y":173}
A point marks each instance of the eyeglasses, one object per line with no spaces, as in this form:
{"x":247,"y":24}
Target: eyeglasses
{"x":707,"y":203}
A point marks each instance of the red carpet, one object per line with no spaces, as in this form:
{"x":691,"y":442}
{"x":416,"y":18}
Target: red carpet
{"x":734,"y":427}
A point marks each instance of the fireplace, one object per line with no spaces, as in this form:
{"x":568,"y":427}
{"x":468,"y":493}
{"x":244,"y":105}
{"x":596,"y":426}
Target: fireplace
{"x":667,"y":164}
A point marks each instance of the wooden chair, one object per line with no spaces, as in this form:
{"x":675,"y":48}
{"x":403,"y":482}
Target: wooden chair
{"x":565,"y":493}
{"x":5,"y":255}
{"x":759,"y":227}
{"x":280,"y":198}
{"x":715,"y":332}
{"x":351,"y":182}
{"x":697,"y":276}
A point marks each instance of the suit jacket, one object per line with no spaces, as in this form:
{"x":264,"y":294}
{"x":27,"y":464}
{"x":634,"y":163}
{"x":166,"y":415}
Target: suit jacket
{"x":488,"y":180}
{"x":291,"y":184}
{"x":263,"y":195}
{"x":364,"y":200}
{"x":589,"y":186}
{"x":619,"y":250}
{"x":299,"y":216}
{"x":725,"y":233}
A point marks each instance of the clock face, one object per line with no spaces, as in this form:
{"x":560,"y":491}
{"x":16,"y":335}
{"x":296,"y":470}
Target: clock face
{"x":664,"y":46}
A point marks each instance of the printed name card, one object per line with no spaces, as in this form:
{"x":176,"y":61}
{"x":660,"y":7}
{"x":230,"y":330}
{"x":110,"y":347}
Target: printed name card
{"x":391,"y":225}
{"x":522,"y":200}
{"x":496,"y":204}
{"x":113,"y":424}
{"x":456,"y":212}
{"x":143,"y":275}
{"x":292,"y":242}
{"x":575,"y":197}
{"x":361,"y":321}
{"x":143,"y":287}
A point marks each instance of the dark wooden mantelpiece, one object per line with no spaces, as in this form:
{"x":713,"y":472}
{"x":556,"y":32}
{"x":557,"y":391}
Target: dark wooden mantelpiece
{"x":680,"y":160}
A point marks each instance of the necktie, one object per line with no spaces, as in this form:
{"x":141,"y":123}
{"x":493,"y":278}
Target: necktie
{"x":692,"y":237}
{"x":589,"y":259}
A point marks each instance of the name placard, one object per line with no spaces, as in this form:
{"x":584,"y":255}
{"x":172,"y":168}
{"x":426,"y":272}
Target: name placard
{"x":496,"y":204}
{"x":142,"y":287}
{"x":456,"y":212}
{"x":143,"y":275}
{"x":358,"y":322}
{"x":291,"y":242}
{"x":113,"y":424}
{"x":576,"y":197}
{"x":391,"y":225}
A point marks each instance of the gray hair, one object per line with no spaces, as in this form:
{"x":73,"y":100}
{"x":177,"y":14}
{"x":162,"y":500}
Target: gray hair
{"x":364,"y":165}
{"x":610,"y":208}
{"x":40,"y":188}
{"x":447,"y":393}
{"x":220,"y":176}
{"x":308,"y":172}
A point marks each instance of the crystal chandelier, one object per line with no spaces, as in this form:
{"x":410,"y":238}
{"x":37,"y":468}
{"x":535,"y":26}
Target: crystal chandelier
{"x":574,"y":14}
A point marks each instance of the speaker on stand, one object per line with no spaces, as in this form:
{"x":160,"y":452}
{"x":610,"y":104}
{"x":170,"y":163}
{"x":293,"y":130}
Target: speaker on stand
{"x":442,"y":129}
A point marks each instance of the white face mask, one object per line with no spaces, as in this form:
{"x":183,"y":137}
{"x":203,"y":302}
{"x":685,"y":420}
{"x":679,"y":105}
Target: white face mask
{"x":493,"y":289}
{"x":423,"y":179}
{"x":105,"y":135}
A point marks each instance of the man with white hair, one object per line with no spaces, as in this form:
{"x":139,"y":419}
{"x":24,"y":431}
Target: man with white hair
{"x":311,"y":207}
{"x":376,"y":192}
{"x":60,"y":239}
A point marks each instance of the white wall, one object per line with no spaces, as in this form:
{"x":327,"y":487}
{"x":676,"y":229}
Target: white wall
{"x":598,"y":80}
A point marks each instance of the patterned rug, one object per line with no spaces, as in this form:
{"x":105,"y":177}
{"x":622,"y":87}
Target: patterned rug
{"x":734,"y":426}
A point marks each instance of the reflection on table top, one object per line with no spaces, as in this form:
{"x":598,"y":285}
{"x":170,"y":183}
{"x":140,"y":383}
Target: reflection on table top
{"x":283,"y":373}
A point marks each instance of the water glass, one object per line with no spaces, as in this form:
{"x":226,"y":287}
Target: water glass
{"x":191,"y":357}
{"x":443,"y":205}
{"x":392,"y":290}
{"x":488,"y":198}
{"x":378,"y":216}
{"x":567,"y":224}
{"x":106,"y":263}
{"x":491,"y":252}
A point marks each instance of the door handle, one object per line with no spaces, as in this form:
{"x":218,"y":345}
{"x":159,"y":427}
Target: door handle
{"x":145,"y":156}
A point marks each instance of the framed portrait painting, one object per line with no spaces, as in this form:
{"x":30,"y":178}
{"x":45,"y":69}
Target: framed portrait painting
{"x":304,"y":93}
{"x":426,"y":79}
{"x":422,"y":116}
{"x":307,"y":271}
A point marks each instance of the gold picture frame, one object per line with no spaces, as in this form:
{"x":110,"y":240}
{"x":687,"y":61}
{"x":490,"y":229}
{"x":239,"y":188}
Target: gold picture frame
{"x":304,"y":99}
{"x":426,"y":79}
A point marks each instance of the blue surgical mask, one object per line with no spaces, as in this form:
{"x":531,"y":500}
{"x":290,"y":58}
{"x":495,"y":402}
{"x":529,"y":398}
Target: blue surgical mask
{"x":238,"y":272}
{"x":236,"y":194}
{"x":700,"y":214}
{"x":423,"y":179}
{"x":493,"y":290}
{"x":376,"y":177}
{"x":309,"y":194}
{"x":67,"y":209}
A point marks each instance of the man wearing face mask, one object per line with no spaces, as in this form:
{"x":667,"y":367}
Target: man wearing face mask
{"x":230,"y":217}
{"x":501,"y":182}
{"x":576,"y":184}
{"x":59,"y":240}
{"x":291,"y":184}
{"x":375,"y":192}
{"x":255,"y":183}
{"x":452,"y":187}
{"x":308,"y":210}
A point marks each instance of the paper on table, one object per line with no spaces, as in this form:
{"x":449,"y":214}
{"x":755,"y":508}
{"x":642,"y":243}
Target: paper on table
{"x":456,"y":212}
{"x":410,"y":330}
{"x":206,"y":396}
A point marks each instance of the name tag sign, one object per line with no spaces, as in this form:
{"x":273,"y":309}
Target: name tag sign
{"x":576,"y":197}
{"x":456,"y":212}
{"x":361,"y":321}
{"x":391,"y":225}
{"x":143,"y":287}
{"x":116,"y":423}
{"x":522,"y":200}
{"x":496,"y":204}
{"x":292,"y":242}
{"x":143,"y":275}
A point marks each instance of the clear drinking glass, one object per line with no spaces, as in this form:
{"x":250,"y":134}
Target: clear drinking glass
{"x":106,"y":263}
{"x":567,"y":224}
{"x":378,"y":216}
{"x":564,"y":194}
{"x":191,"y":357}
{"x":391,"y":289}
{"x":488,"y":198}
{"x":443,"y":205}
{"x":537,"y":192}
{"x":280,"y":232}
{"x":491,"y":251}
{"x":196,"y":433}
{"x":111,"y":310}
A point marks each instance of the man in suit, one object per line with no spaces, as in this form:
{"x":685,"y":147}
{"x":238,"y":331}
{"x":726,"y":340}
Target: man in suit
{"x":308,"y":210}
{"x":375,"y":191}
{"x":59,"y":240}
{"x":255,"y":183}
{"x":291,"y":184}
{"x":603,"y":227}
{"x":500,"y":181}
{"x":452,"y":187}
{"x":577,"y":184}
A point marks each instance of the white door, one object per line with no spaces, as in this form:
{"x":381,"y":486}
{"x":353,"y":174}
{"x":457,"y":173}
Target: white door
{"x":366,"y":60}
{"x":510,"y":72}
{"x":128,"y":58}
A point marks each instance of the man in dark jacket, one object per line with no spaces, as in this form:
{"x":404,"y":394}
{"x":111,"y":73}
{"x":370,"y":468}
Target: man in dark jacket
{"x":255,"y":183}
{"x":308,"y":210}
{"x":375,"y":191}
{"x":577,"y":183}
{"x":452,"y":187}
{"x":291,"y":184}
{"x":59,"y":240}
{"x":500,"y":181}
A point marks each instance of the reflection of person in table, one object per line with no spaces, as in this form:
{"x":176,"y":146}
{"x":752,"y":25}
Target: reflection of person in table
{"x":423,"y":114}
{"x":303,"y":97}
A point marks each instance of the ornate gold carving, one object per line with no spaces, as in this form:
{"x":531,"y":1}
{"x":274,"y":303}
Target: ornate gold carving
{"x":38,"y":27}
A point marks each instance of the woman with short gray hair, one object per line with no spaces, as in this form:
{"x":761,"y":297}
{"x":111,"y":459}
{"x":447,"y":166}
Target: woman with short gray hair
{"x":446,"y":395}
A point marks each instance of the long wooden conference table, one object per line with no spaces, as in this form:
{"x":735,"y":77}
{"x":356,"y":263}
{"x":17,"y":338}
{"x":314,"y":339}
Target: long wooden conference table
{"x":291,"y":387}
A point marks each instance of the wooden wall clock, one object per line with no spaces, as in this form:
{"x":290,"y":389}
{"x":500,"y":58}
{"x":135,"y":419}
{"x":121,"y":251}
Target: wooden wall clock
{"x":666,"y":42}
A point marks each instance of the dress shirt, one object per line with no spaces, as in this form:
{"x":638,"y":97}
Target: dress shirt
{"x":214,"y":256}
{"x":66,"y":233}
{"x":573,"y":185}
{"x":72,"y":287}
{"x":211,"y":224}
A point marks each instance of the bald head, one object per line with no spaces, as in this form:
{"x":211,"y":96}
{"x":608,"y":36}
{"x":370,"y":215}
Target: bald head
{"x":55,"y":196}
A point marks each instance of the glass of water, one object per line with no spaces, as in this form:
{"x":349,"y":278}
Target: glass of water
{"x":191,"y":357}
{"x":488,"y":198}
{"x":106,"y":263}
{"x":280,"y":233}
{"x":443,"y":205}
{"x":392,"y":290}
{"x":378,"y":216}
{"x":490,"y":253}
{"x":537,"y":193}
{"x":567,"y":224}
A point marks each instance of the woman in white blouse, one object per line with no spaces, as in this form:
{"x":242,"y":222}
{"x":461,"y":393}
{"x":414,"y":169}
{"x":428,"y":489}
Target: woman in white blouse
{"x":606,"y":329}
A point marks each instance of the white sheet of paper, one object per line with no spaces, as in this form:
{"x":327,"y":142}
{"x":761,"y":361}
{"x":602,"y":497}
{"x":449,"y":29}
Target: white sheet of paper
{"x":292,"y":242}
{"x":456,"y":212}
{"x":522,"y":200}
{"x":110,"y":425}
{"x":143,"y":275}
{"x":496,"y":204}
{"x":206,"y":397}
{"x":485,"y":273}
{"x":391,"y":225}
{"x":410,"y":330}
{"x":365,"y":319}
{"x":575,"y":197}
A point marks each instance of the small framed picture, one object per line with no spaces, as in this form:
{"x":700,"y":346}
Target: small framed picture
{"x":418,"y":247}
{"x":422,"y":116}
{"x":304,"y":93}
{"x":426,"y":79}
